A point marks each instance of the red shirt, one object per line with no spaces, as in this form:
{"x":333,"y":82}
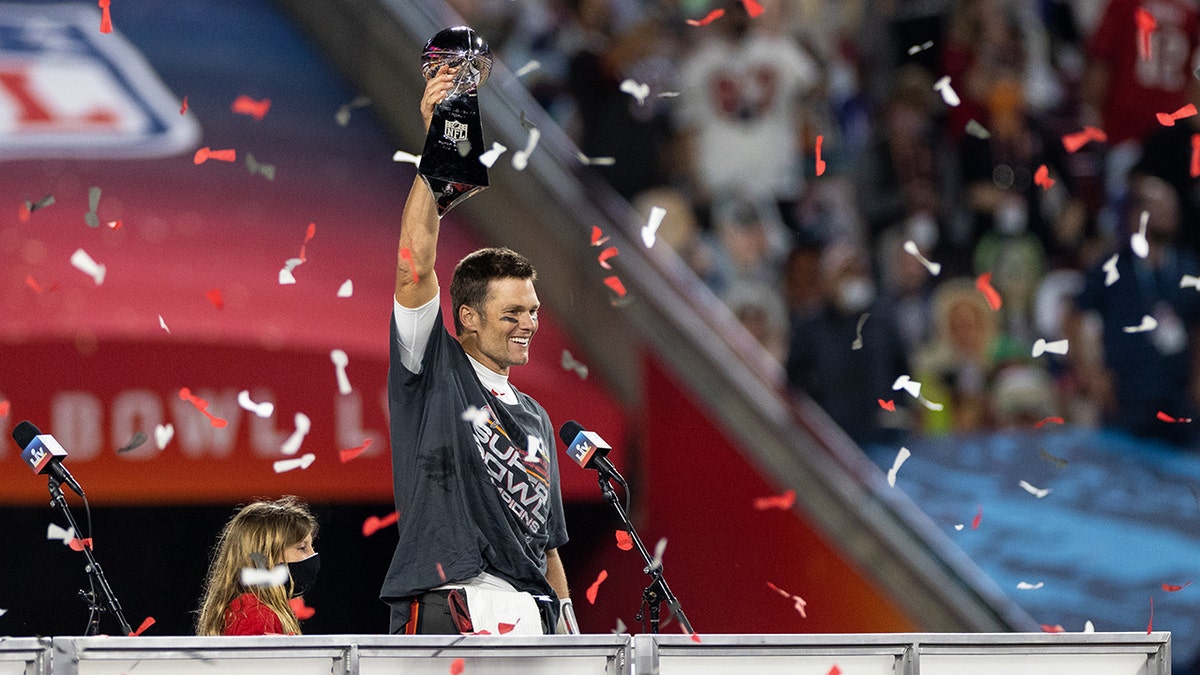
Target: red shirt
{"x":247,"y":615}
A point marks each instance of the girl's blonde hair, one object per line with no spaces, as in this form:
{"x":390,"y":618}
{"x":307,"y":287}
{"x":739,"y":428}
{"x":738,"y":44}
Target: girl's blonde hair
{"x":263,"y":530}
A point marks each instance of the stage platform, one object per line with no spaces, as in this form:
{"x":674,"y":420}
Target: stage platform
{"x":864,"y":654}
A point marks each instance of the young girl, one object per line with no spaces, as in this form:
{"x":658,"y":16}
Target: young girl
{"x":262,"y":535}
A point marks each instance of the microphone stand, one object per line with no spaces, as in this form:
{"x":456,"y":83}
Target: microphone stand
{"x":110,"y":601}
{"x":658,"y":591}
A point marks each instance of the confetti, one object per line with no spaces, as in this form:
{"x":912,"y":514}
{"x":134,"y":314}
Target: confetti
{"x":1150,"y":625}
{"x":930,"y":404}
{"x":204,"y":154}
{"x":529,"y":67}
{"x":1073,"y":142}
{"x":407,"y":256}
{"x":292,"y":445}
{"x":90,"y":217}
{"x":489,"y":158}
{"x":1138,"y":241}
{"x":478,"y":417}
{"x":37,"y":288}
{"x":284,"y":465}
{"x":636,"y":89}
{"x":594,"y":161}
{"x":1172,"y":588}
{"x":163,"y":433}
{"x":441,"y":573}
{"x":659,"y":549}
{"x":5,"y":408}
{"x":202,"y":406}
{"x":621,"y":627}
{"x":834,"y":671}
{"x":977,"y":130}
{"x":1042,"y":178}
{"x":984,"y":284}
{"x":910,"y":247}
{"x":1169,"y":119}
{"x":598,"y":237}
{"x":1058,"y":462}
{"x":342,"y":116}
{"x":340,"y":361}
{"x":907,"y":384}
{"x":1111,"y":275}
{"x":1088,"y":627}
{"x":3,"y":612}
{"x":402,"y":156}
{"x":350,"y":453}
{"x":105,"y":17}
{"x":138,"y":439}
{"x":752,"y":8}
{"x":1164,"y":417}
{"x":83,"y":262}
{"x":374,"y":524}
{"x":214,"y":296}
{"x":917,"y":49}
{"x":624,"y":540}
{"x":506,"y":628}
{"x":346,"y":289}
{"x":901,"y":457}
{"x":650,"y":229}
{"x":56,"y":533}
{"x":262,"y":410}
{"x":595,"y":587}
{"x":301,"y":610}
{"x":142,"y":628}
{"x":255,"y":167}
{"x":271,"y":578}
{"x":29,"y":207}
{"x":80,"y":544}
{"x":888,"y":405}
{"x":668,"y":94}
{"x":708,"y":18}
{"x":858,"y":339}
{"x":1047,"y":628}
{"x":1194,"y":170}
{"x":113,"y":225}
{"x":286,"y":278}
{"x":1048,"y":420}
{"x":1057,"y":347}
{"x":782,"y":502}
{"x":615,"y":284}
{"x":943,"y":87}
{"x":1148,"y":323}
{"x":820,"y":164}
{"x":244,"y":105}
{"x":1145,"y":27}
{"x":798,"y":603}
{"x":520,"y":158}
{"x":183,"y":107}
{"x":607,"y":253}
{"x":977,"y":519}
{"x":569,"y":363}
{"x":1188,"y":280}
{"x":457,"y":667}
{"x":309,"y":233}
{"x":1035,"y":491}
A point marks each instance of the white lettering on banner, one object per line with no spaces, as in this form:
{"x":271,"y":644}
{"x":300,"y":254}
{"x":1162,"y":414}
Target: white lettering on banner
{"x":349,"y":432}
{"x":77,"y":420}
{"x":133,"y":411}
{"x":197,"y":436}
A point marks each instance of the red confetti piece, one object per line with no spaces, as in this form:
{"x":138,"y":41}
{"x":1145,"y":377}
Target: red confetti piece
{"x":977,"y":519}
{"x":1042,"y":178}
{"x":1195,"y":169}
{"x":308,"y":235}
{"x":1150,"y":625}
{"x":204,"y":154}
{"x":1169,"y":119}
{"x":1172,"y":588}
{"x":1164,"y":417}
{"x":1049,"y":420}
{"x":754,"y":10}
{"x":1145,"y":26}
{"x":301,"y":610}
{"x":506,"y":628}
{"x":37,"y":288}
{"x":598,"y":237}
{"x":183,"y":108}
{"x":80,"y":544}
{"x":820,"y":162}
{"x":1047,"y":628}
{"x":783,"y":501}
{"x":799,"y":602}
{"x":374,"y":524}
{"x":105,"y":17}
{"x":834,"y":671}
{"x":441,"y":572}
{"x":113,"y":225}
{"x":709,"y":18}
{"x":1073,"y":142}
{"x":984,"y":284}
{"x":214,"y":296}
{"x":605,"y":255}
{"x":6,"y":407}
{"x":624,"y":539}
{"x":615,"y":284}
{"x":350,"y":453}
{"x":23,"y":213}
{"x":457,"y":667}
{"x":142,"y":628}
{"x":595,"y":587}
{"x":406,"y":255}
{"x":202,"y":406}
{"x":695,"y":638}
{"x":889,"y":405}
{"x":244,"y":105}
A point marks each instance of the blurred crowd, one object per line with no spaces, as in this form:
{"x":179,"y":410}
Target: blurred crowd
{"x":1034,"y":151}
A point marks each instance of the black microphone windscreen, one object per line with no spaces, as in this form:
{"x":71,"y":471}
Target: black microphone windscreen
{"x":567,"y":432}
{"x":24,"y":433}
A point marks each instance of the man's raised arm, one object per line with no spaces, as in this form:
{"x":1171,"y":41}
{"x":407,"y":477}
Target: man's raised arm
{"x":416,"y":282}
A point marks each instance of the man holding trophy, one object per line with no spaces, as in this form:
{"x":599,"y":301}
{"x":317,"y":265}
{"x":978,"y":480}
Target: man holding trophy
{"x":474,"y":465}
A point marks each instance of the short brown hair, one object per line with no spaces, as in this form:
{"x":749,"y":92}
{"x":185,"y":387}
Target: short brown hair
{"x":474,"y":274}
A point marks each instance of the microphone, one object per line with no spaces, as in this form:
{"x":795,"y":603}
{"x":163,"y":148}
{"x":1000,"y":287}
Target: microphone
{"x":44,"y":455}
{"x":588,"y":450}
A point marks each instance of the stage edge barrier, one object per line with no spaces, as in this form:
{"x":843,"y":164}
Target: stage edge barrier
{"x":24,"y":656}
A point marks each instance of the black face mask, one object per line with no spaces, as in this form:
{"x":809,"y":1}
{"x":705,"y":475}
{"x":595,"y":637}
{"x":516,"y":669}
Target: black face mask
{"x":304,"y":574}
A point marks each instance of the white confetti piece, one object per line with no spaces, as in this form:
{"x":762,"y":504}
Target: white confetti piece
{"x":907,"y":384}
{"x":3,"y":612}
{"x":303,"y":462}
{"x":1110,"y":271}
{"x":858,"y":339}
{"x":569,"y":363}
{"x":959,"y":527}
{"x":292,"y":445}
{"x":83,"y":262}
{"x":346,"y":289}
{"x":910,"y":247}
{"x":163,"y":433}
{"x":1026,"y":586}
{"x":478,"y":417}
{"x":977,"y":130}
{"x":636,"y":89}
{"x":1138,"y":241}
{"x":402,"y":156}
{"x":1088,"y":627}
{"x":56,"y":533}
{"x":916,"y":49}
{"x":285,"y":274}
{"x":650,"y":229}
{"x":1035,"y":491}
{"x":1148,"y":323}
{"x":936,"y":407}
{"x":943,"y":87}
{"x":621,"y":627}
{"x":340,"y":360}
{"x":659,"y":549}
{"x":520,"y":158}
{"x":1041,"y":347}
{"x":901,"y":457}
{"x":489,"y":158}
{"x":668,"y":94}
{"x":342,"y":116}
{"x":594,"y":161}
{"x":263,"y":410}
{"x":528,"y":68}
{"x":1189,"y":281}
{"x":163,"y":324}
{"x":274,"y":577}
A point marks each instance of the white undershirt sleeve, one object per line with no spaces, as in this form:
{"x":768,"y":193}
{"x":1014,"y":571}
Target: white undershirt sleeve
{"x":414,"y":326}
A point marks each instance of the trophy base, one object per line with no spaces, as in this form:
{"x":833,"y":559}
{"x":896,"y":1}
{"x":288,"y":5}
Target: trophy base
{"x":448,"y":194}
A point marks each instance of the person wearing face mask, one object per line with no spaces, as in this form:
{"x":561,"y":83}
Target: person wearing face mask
{"x":844,"y":370}
{"x":262,"y":535}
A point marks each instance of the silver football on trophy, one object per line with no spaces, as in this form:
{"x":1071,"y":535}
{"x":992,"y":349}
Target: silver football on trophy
{"x":462,"y":48}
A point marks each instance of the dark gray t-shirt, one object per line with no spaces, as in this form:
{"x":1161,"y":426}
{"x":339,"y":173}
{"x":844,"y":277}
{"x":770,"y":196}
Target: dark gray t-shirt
{"x":471,"y":498}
